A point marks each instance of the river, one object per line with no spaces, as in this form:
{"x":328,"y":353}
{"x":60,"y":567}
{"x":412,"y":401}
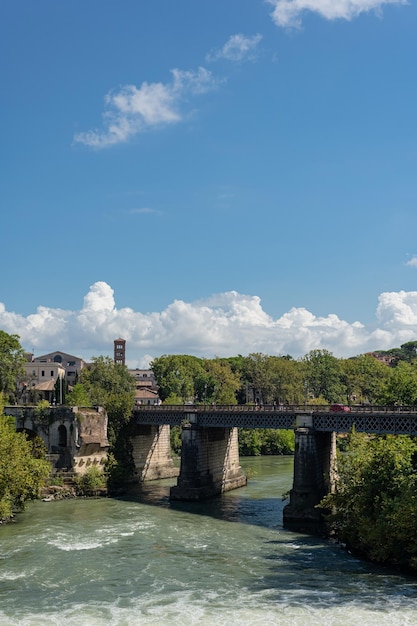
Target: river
{"x":228,"y":561}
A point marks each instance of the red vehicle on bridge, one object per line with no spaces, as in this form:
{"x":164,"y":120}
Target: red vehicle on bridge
{"x":340,"y":408}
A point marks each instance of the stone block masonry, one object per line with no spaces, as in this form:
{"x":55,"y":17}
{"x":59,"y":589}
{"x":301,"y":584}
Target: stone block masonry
{"x":209,"y":463}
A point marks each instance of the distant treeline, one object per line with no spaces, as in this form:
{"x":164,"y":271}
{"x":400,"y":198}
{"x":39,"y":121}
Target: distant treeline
{"x":381,"y":378}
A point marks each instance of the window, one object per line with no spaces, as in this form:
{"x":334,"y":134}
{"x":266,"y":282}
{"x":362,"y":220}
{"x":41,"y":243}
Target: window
{"x":43,"y":373}
{"x":52,"y":372}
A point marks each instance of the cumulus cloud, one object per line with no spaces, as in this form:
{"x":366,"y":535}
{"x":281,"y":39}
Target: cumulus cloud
{"x":237,"y":48}
{"x":132,"y":110}
{"x":412,"y":262}
{"x":224,"y":324}
{"x":287,"y":13}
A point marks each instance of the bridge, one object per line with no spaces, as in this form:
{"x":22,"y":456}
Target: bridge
{"x":364,"y":418}
{"x":77,"y":438}
{"x":210,"y":457}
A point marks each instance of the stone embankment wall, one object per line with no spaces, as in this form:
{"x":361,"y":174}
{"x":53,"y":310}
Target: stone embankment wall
{"x":75,"y":437}
{"x":91,"y":445}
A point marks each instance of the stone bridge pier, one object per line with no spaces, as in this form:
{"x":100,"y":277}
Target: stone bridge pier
{"x":209,"y":462}
{"x":152,"y":452}
{"x":314,"y":477}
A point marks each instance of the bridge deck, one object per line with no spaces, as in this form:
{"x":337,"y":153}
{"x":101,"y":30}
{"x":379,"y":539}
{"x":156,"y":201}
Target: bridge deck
{"x":372,"y":420}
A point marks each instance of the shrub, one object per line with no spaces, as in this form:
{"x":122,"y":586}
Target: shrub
{"x":21,"y":474}
{"x":373,"y":509}
{"x":91,"y":483}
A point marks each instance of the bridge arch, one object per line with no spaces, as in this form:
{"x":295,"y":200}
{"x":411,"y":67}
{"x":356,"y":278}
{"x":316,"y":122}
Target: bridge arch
{"x":30,"y":434}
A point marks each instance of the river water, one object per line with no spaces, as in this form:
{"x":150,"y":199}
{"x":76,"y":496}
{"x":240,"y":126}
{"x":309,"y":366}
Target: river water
{"x":228,"y":561}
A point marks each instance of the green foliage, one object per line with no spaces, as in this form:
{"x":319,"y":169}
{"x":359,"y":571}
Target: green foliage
{"x":373,"y":509}
{"x":323,"y":374}
{"x":175,"y":375}
{"x":38,"y":447}
{"x":401,"y":385}
{"x":173,"y":399}
{"x":78,"y":396}
{"x":43,"y":413}
{"x":258,"y":373}
{"x":183,"y":378}
{"x":12,"y":358}
{"x":56,"y":481}
{"x":409,"y":351}
{"x":110,"y":385}
{"x":21,"y":473}
{"x":90,"y":483}
{"x":364,"y":378}
{"x":223,"y":382}
{"x":265,"y":441}
{"x":175,"y":439}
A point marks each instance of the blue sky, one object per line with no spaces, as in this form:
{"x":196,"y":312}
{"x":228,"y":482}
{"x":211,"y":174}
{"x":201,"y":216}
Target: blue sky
{"x":209,"y":177}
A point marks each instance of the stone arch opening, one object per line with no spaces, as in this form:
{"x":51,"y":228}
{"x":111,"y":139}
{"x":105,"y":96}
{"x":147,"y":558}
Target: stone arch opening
{"x":62,"y":436}
{"x":30,"y":434}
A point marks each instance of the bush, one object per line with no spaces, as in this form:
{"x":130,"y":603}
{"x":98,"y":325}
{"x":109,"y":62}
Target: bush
{"x":373,"y":509}
{"x":265,"y":441}
{"x":21,"y":474}
{"x":91,"y":483}
{"x":175,"y":439}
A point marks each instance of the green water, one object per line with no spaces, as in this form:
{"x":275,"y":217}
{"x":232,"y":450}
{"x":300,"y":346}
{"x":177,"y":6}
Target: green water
{"x":223,"y":562}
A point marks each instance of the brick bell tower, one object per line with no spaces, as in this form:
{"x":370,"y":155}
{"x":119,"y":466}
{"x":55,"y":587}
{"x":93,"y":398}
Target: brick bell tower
{"x":120,"y":351}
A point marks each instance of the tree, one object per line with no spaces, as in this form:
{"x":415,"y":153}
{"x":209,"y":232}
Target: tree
{"x":22,"y":472}
{"x":12,"y":358}
{"x":110,"y":385}
{"x":374,"y":505}
{"x":258,"y":374}
{"x":364,"y":378}
{"x":286,"y":380}
{"x":409,"y":351}
{"x":401,"y":386}
{"x":176,"y":375}
{"x":224,"y":382}
{"x":78,"y":396}
{"x":265,"y":441}
{"x":324,"y":376}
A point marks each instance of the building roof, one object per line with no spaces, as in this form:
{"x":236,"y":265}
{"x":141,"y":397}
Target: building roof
{"x":47,"y":385}
{"x":65,"y":356}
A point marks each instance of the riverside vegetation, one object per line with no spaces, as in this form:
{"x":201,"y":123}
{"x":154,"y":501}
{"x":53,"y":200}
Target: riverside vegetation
{"x":374,"y":507}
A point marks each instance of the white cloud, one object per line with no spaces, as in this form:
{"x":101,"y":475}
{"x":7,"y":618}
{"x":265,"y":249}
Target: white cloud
{"x":287,"y":13}
{"x":224,"y":324}
{"x":132,"y":110}
{"x":237,"y":48}
{"x":412,"y":262}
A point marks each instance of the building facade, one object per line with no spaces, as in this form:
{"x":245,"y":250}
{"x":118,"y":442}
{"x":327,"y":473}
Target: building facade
{"x":71,"y":364}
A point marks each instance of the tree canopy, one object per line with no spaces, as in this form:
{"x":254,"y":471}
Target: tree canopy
{"x":110,"y":385}
{"x":374,"y":504}
{"x":22,"y":472}
{"x":12,"y":358}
